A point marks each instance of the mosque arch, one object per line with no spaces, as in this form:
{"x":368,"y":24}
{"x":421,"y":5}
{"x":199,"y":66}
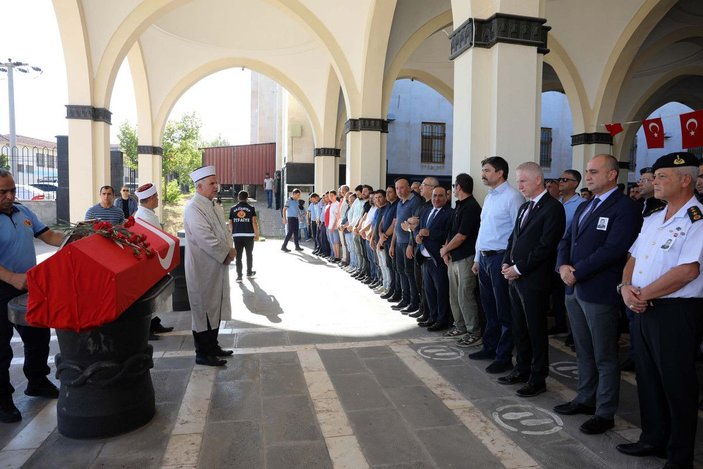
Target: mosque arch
{"x":394,"y":71}
{"x":215,"y":66}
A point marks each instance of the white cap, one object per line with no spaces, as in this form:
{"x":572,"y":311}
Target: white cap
{"x":202,"y":173}
{"x":145,"y":191}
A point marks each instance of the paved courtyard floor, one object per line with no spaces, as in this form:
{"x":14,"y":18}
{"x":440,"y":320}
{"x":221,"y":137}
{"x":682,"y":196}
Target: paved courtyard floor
{"x":326,"y":375}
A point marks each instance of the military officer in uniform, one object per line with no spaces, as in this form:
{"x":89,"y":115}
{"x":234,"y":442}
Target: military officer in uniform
{"x":662,"y":284}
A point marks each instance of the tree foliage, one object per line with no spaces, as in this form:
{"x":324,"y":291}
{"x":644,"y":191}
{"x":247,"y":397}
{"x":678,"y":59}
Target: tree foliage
{"x":127,"y":136}
{"x":181,"y":144}
{"x":218,"y":141}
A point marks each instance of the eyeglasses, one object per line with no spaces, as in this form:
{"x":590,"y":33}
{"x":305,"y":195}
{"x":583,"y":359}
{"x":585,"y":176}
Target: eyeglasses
{"x":646,"y":180}
{"x":125,"y":190}
{"x":566,"y":180}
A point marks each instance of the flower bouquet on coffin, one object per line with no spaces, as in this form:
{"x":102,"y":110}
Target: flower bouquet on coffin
{"x":100,"y":270}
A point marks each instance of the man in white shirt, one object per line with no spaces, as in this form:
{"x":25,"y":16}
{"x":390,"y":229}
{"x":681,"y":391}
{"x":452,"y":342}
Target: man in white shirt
{"x":148,"y":201}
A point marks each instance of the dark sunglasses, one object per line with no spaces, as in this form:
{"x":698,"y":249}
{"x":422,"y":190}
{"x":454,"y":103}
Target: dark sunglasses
{"x":566,"y":180}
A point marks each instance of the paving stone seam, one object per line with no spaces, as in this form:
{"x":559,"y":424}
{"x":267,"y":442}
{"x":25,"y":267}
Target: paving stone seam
{"x":30,"y":438}
{"x":342,"y":445}
{"x":183,"y":447}
{"x":503,"y":448}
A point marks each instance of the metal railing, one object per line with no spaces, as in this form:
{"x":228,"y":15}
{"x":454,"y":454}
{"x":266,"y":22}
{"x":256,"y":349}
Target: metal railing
{"x":33,"y":168}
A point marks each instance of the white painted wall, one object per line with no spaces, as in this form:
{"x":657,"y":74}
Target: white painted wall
{"x":557,"y":115}
{"x":412,"y":103}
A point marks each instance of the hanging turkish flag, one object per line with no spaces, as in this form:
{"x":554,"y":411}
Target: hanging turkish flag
{"x":654,"y":132}
{"x":692,"y":129}
{"x":614,"y":128}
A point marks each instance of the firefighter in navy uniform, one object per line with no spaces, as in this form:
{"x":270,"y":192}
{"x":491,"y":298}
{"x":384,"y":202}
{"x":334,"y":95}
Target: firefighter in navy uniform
{"x":663,"y":285}
{"x":245,"y":230}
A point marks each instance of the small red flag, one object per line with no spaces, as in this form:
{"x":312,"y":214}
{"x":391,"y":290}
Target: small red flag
{"x":692,"y":129}
{"x":654,"y":132}
{"x":614,"y":128}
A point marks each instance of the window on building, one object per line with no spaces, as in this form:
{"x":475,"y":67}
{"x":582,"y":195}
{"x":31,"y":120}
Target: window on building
{"x":545,"y":147}
{"x":632,"y":157}
{"x":46,"y":160}
{"x":433,"y":140}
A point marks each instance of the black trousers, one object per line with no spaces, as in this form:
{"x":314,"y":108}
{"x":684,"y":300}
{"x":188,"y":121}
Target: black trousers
{"x":313,"y":233}
{"x":436,"y":295}
{"x":293,"y":230}
{"x":242,"y":244}
{"x":206,"y":343}
{"x":529,"y":310}
{"x":36,"y":344}
{"x":667,"y":385}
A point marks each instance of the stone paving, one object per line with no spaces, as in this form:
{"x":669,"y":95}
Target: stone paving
{"x":325,"y":374}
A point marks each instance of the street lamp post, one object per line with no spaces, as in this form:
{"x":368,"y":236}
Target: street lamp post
{"x":8,"y":67}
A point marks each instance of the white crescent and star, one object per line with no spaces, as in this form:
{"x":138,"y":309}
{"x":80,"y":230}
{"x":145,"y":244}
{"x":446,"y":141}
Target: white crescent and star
{"x":654,"y":128}
{"x":693,"y":121}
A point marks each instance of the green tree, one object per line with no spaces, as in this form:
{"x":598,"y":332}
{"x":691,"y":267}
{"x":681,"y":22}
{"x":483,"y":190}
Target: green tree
{"x":218,"y":141}
{"x":181,"y":144}
{"x":127,"y":136}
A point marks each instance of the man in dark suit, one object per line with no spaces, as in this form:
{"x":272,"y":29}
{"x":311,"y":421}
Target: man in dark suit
{"x":430,"y":235}
{"x":591,"y":257}
{"x":528,"y":264}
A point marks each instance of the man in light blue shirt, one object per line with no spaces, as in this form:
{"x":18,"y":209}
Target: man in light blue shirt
{"x":568,"y":182}
{"x":498,"y":216}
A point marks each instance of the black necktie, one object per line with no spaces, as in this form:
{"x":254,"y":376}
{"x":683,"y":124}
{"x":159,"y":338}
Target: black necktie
{"x":431,"y":217}
{"x":527,"y":213}
{"x":594,"y":205}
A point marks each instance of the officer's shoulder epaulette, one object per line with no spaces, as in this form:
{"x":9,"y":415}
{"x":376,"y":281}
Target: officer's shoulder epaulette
{"x":694,"y":213}
{"x":655,"y":210}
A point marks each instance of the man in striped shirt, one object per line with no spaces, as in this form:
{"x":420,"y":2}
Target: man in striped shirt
{"x":105,"y":210}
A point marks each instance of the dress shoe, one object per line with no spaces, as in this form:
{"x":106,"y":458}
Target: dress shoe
{"x":298,"y":248}
{"x":418,"y":315}
{"x":438,"y":327}
{"x":596,"y":425}
{"x":220,"y":352}
{"x":427,"y":323}
{"x":573,"y":408}
{"x":395,"y":298}
{"x":410,"y":309}
{"x":530,"y":390}
{"x":399,"y":306}
{"x":251,"y":274}
{"x":285,"y":249}
{"x":159,"y":329}
{"x":569,"y":341}
{"x":514,"y":377}
{"x":483,"y":355}
{"x":210,"y":360}
{"x":627,"y":365}
{"x":556,"y":330}
{"x":153,"y":336}
{"x":499,"y":367}
{"x":387,"y":295}
{"x":367,"y":281}
{"x":641,"y":449}
{"x":8,"y":412}
{"x":42,"y":387}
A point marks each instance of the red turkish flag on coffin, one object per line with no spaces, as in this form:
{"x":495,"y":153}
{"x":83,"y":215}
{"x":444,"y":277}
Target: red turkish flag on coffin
{"x":692,"y":129}
{"x":654,"y":132}
{"x":90,"y":282}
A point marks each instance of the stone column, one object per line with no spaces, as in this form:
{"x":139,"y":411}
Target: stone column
{"x":150,"y":170}
{"x":497,"y":90}
{"x":364,"y":162}
{"x":326,"y":169}
{"x":89,"y":147}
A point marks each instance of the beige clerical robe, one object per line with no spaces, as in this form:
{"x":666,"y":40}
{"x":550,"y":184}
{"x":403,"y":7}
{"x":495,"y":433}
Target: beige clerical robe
{"x":207,"y":277}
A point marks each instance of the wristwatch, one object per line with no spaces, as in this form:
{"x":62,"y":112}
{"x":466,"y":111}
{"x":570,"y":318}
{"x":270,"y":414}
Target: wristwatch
{"x":619,"y":287}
